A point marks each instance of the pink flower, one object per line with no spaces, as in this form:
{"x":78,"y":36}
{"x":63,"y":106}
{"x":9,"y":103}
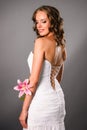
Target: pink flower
{"x":23,"y":87}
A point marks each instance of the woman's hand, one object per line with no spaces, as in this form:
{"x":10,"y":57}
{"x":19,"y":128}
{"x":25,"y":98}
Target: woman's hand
{"x":23,"y":118}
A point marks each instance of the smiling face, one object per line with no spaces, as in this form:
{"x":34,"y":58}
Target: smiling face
{"x":42,"y":23}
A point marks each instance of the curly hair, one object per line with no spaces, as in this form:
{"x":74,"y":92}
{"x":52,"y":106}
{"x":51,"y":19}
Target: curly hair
{"x":56,"y":22}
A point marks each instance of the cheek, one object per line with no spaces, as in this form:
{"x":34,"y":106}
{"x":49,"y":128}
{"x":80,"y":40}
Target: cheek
{"x":48,"y":27}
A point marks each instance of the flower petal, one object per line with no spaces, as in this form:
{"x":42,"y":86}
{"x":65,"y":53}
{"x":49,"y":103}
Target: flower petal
{"x":25,"y":81}
{"x":21,"y":94}
{"x":16,"y":88}
{"x":29,"y":86}
{"x":18,"y":81}
{"x":28,"y":92}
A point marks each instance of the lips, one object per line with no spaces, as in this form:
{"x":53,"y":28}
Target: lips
{"x":40,"y":30}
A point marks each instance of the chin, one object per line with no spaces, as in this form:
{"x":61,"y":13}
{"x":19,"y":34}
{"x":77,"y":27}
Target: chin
{"x":42,"y":35}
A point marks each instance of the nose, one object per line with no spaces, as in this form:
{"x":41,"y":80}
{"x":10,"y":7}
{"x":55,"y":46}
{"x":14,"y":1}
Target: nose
{"x":39,"y":25}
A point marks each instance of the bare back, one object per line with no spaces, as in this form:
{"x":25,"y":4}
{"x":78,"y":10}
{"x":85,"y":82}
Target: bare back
{"x":46,"y":49}
{"x":53,"y":53}
{"x":56,"y":55}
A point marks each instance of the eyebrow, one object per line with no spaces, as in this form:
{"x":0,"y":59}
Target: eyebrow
{"x":41,"y":19}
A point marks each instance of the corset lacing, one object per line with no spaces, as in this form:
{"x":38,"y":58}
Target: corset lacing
{"x":56,"y":65}
{"x":54,"y":73}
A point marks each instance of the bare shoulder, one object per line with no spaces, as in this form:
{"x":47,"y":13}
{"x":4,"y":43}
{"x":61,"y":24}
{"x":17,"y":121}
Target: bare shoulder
{"x":39,"y":43}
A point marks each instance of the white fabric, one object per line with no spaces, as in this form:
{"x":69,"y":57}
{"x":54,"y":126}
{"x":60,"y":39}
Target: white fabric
{"x":47,"y":109}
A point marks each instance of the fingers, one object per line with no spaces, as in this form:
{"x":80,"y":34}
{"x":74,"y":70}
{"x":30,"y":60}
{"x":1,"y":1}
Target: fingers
{"x":23,"y":119}
{"x":23,"y":123}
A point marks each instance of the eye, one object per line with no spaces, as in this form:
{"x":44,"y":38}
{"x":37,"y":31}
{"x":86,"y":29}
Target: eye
{"x":44,"y":21}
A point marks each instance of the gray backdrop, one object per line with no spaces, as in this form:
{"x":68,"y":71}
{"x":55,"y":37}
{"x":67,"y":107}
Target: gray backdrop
{"x":16,"y":41}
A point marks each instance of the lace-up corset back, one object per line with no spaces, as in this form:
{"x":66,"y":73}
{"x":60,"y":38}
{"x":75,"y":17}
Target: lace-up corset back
{"x":50,"y":69}
{"x":56,"y":65}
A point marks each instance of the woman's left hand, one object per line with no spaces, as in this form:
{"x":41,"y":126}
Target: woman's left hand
{"x":23,"y":118}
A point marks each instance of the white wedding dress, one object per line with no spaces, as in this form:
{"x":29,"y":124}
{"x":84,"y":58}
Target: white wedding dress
{"x":47,"y":109}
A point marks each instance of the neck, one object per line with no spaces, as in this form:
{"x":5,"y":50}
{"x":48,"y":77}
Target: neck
{"x":51,"y":36}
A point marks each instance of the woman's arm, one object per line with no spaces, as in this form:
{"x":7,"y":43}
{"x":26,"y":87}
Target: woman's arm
{"x":38,"y":58}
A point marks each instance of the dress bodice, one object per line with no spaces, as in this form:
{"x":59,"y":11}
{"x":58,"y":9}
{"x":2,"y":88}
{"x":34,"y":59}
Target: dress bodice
{"x":47,"y":70}
{"x":46,"y":66}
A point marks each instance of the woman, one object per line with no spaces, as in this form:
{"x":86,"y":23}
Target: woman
{"x":45,"y":108}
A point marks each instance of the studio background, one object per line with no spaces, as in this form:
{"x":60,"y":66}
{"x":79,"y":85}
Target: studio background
{"x":16,"y":42}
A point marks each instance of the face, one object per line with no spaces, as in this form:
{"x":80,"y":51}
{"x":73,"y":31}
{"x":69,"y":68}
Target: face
{"x":42,"y":23}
